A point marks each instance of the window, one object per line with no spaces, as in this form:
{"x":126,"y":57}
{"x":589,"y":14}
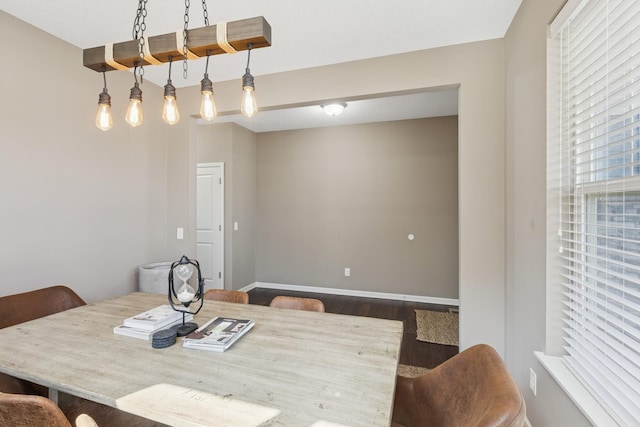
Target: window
{"x":598,"y":188}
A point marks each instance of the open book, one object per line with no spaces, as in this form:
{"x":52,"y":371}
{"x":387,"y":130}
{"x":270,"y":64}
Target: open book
{"x":218,"y":334}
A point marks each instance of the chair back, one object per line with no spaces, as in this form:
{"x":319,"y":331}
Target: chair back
{"x":19,"y":410}
{"x":295,"y":303}
{"x":472,"y":389}
{"x":19,"y":308}
{"x":227,"y":295}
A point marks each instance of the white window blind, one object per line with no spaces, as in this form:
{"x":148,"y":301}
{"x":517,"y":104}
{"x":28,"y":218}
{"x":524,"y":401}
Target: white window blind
{"x":600,"y":201}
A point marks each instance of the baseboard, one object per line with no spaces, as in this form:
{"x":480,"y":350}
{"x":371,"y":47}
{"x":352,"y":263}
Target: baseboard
{"x":248,"y":287}
{"x":353,"y":293}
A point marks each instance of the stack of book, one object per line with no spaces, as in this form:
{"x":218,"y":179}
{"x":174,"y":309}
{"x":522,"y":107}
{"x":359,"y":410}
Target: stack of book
{"x":145,"y":324}
{"x":218,"y":334}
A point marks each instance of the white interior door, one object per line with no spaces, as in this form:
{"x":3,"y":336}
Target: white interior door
{"x":210,"y":223}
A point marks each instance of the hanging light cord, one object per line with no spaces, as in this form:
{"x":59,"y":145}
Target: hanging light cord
{"x":248,"y":55}
{"x":104,"y":77}
{"x":206,"y":83}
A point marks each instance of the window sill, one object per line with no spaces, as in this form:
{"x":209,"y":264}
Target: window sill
{"x":577,"y":392}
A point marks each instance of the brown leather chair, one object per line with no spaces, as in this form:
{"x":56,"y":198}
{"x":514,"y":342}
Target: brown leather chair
{"x":472,"y":389}
{"x":19,"y":308}
{"x":19,"y":410}
{"x":227,"y":295}
{"x":295,"y":303}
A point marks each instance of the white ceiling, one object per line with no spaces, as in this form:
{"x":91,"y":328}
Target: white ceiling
{"x":305,"y":33}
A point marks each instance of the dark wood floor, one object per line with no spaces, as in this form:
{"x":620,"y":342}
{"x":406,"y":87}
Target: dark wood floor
{"x":412,"y":352}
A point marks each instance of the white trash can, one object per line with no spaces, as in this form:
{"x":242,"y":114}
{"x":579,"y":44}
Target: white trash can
{"x":154,"y":278}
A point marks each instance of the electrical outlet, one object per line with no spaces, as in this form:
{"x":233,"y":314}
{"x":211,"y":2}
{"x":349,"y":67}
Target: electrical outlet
{"x":533,"y":381}
{"x":347,"y":272}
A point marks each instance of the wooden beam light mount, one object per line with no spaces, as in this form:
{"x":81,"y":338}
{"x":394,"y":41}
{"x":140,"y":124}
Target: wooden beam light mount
{"x":239,"y":34}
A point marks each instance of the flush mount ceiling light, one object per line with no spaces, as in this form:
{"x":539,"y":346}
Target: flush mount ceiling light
{"x":221,"y":38}
{"x":334,"y":109}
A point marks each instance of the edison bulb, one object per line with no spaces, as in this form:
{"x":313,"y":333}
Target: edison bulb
{"x":208,"y":109}
{"x":249,"y":106}
{"x":104,"y":119}
{"x":134,"y":113}
{"x":170,"y":112}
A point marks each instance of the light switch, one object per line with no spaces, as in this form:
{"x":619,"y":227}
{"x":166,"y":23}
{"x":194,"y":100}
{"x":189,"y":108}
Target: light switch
{"x":180,"y":233}
{"x":235,"y":226}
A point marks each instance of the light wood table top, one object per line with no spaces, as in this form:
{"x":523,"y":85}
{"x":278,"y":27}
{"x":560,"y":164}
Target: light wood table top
{"x":294,"y":368}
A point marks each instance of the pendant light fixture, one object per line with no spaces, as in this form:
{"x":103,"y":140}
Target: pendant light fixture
{"x":221,"y":38}
{"x":104,"y":119}
{"x":249,"y":106}
{"x":170,"y":113}
{"x":134,"y":111}
{"x":208,"y":109}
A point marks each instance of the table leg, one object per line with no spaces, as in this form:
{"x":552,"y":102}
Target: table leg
{"x":53,"y":395}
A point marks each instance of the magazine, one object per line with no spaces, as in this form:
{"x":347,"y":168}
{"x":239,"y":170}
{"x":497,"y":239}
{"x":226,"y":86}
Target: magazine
{"x":154,"y":319}
{"x":218,"y":334}
{"x":146,"y":334}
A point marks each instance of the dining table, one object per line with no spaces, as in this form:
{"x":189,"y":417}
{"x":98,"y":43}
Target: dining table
{"x":293,"y":368}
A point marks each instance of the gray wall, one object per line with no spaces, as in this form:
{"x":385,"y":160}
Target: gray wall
{"x":348,"y":196}
{"x":526,"y":124}
{"x":244,"y":206}
{"x":79,"y":206}
{"x":330,"y":198}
